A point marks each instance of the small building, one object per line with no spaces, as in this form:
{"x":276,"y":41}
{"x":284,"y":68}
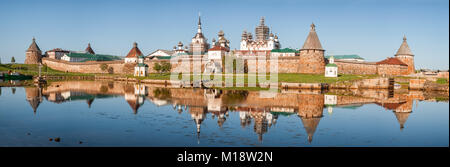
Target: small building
{"x":140,"y":70}
{"x":57,"y":53}
{"x":83,"y":57}
{"x":215,"y":56}
{"x":160,"y":54}
{"x":352,"y":57}
{"x":331,"y":69}
{"x":217,"y":52}
{"x":132,"y":56}
{"x":286,"y":52}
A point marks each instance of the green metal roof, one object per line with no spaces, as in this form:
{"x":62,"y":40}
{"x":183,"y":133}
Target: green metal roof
{"x":281,"y":113}
{"x":285,"y":50}
{"x":94,"y":57}
{"x":164,"y":57}
{"x":331,"y":65}
{"x":354,"y":56}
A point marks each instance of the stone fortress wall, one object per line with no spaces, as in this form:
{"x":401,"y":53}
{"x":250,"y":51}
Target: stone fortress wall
{"x":285,"y":65}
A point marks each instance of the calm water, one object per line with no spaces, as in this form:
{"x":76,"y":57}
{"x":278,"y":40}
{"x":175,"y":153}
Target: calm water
{"x":88,"y":113}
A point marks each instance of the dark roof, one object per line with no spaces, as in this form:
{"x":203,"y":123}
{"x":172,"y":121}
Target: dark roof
{"x":312,"y":41}
{"x":392,"y":61}
{"x":89,"y":49}
{"x":353,"y":56}
{"x":33,"y":46}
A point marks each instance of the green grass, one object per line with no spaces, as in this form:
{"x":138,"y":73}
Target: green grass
{"x":294,"y":78}
{"x":442,"y":81}
{"x":33,"y":69}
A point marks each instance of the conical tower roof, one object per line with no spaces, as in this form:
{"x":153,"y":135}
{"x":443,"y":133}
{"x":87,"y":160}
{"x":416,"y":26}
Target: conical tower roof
{"x":310,"y":125}
{"x":33,"y":46}
{"x":134,"y":52}
{"x":402,"y":117}
{"x":89,"y":49}
{"x":404,"y":48}
{"x":34,"y":103}
{"x":312,"y":41}
{"x":89,"y":102}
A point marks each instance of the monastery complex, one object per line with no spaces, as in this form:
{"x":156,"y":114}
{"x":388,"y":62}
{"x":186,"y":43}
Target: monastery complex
{"x":310,"y":59}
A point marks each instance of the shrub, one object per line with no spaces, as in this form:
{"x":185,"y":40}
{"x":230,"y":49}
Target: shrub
{"x":103,"y":67}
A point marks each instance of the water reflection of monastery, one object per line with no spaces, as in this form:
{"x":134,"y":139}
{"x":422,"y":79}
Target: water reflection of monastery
{"x":308,"y":105}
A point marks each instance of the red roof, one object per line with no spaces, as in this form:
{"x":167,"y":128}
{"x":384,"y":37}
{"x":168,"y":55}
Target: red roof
{"x":134,"y":52}
{"x":392,"y":61}
{"x":218,"y":48}
{"x":390,"y":106}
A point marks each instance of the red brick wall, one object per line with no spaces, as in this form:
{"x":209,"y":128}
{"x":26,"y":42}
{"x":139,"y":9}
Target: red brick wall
{"x":386,"y":69}
{"x":356,"y":68}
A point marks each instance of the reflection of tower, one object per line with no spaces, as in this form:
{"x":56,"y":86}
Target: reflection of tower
{"x":310,"y":125}
{"x":34,"y":97}
{"x":135,"y":98}
{"x":198,"y":114}
{"x":402,"y":112}
{"x":402,"y":117}
{"x":260,"y":125}
{"x":310,"y":112}
{"x":245,"y":118}
{"x":89,"y":102}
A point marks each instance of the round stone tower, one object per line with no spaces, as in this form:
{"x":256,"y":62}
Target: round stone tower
{"x":33,"y":54}
{"x":405,"y":55}
{"x":312,"y":59}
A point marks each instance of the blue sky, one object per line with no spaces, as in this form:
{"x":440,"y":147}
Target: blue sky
{"x":371,"y":29}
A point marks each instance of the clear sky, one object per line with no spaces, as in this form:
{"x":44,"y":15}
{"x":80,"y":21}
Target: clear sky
{"x":371,"y":29}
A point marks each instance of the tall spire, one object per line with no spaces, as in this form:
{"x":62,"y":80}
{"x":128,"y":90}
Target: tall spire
{"x":199,"y":29}
{"x":404,"y":48}
{"x":261,"y":22}
{"x":312,"y":41}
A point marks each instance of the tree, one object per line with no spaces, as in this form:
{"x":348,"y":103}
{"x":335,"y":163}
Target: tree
{"x":13,"y":60}
{"x":166,"y":67}
{"x":157,"y":67}
{"x":0,"y":60}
